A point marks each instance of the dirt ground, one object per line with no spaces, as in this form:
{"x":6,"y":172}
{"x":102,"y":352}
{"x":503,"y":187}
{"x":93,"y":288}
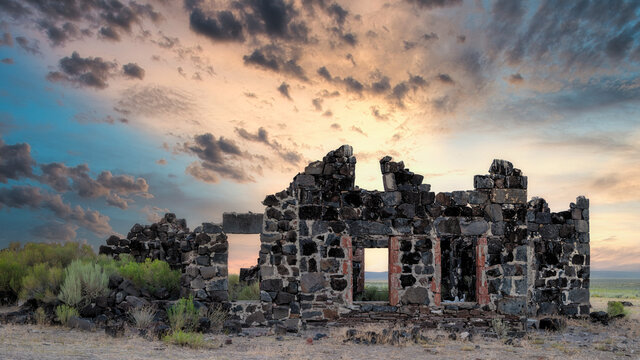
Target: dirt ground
{"x":581,"y":340}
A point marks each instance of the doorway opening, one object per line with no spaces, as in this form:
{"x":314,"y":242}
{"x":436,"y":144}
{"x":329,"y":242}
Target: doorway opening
{"x":371,"y":274}
{"x":458,"y":264}
{"x":242,"y":264}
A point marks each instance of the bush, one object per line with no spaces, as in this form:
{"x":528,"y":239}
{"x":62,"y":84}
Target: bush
{"x":41,"y":283}
{"x":15,"y":261}
{"x":40,"y":317}
{"x":243,"y":291}
{"x":183,"y":315}
{"x":616,"y":309}
{"x":185,"y":338}
{"x":143,"y":316}
{"x":83,"y":283}
{"x":151,"y":275}
{"x":65,"y":312}
{"x":71,"y":289}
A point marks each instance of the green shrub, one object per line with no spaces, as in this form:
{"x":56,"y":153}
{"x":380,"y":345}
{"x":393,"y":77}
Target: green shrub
{"x":243,"y":291}
{"x":40,"y":316}
{"x":71,"y":289}
{"x":616,"y":309}
{"x":185,"y":338}
{"x":83,"y":282}
{"x":151,"y":275}
{"x":65,"y":312}
{"x":183,"y":315}
{"x":16,"y":260}
{"x":41,"y":282}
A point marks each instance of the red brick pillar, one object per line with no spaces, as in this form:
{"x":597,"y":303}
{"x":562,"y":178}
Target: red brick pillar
{"x":482,"y":288}
{"x":347,"y":268}
{"x":395,"y":269}
{"x":437,"y":275}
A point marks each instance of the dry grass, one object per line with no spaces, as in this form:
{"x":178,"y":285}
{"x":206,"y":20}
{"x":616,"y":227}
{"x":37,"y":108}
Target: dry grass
{"x":143,"y":316}
{"x":49,"y":343}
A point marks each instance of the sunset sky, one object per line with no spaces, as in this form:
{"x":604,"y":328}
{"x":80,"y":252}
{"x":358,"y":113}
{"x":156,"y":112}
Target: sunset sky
{"x":113,"y":113}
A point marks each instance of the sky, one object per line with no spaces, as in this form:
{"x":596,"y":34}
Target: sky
{"x":113,"y":113}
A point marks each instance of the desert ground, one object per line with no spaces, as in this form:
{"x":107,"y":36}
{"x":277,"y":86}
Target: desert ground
{"x":580,"y":340}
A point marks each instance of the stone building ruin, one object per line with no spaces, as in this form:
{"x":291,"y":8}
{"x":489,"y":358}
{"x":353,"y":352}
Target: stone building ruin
{"x":487,"y":250}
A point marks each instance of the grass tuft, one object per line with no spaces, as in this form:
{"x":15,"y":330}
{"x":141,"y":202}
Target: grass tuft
{"x":183,"y":315}
{"x":65,"y":312}
{"x":185,"y":338}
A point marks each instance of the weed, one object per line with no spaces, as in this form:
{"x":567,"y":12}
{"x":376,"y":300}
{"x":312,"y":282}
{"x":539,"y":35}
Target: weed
{"x":143,"y":316}
{"x":216,"y":315}
{"x":185,"y":338}
{"x":242,"y":291}
{"x":65,"y":312}
{"x":500,"y":328}
{"x":183,"y":315}
{"x":40,"y":316}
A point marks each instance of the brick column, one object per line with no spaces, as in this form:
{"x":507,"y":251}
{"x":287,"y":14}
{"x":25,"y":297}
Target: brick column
{"x":347,"y":268}
{"x":358,"y":256}
{"x":395,"y":269}
{"x":482,"y":289}
{"x":437,"y":275}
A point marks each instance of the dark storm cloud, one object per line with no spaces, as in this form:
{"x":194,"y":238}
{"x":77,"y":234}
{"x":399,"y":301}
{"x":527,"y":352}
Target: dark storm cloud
{"x":262,"y":136}
{"x":350,"y":39}
{"x":223,"y":27}
{"x":133,"y":70}
{"x":338,"y":13}
{"x":381,"y":86}
{"x":430,"y":4}
{"x":574,"y":35}
{"x":273,"y":58}
{"x":34,"y":198}
{"x":109,"y":33}
{"x":283,"y":89}
{"x":445,"y":78}
{"x":324,"y":73}
{"x":218,"y":158}
{"x":13,"y":8}
{"x":353,"y":85}
{"x":91,"y":72}
{"x":31,"y":47}
{"x":60,"y":35}
{"x":62,"y":178}
{"x":60,"y":20}
{"x":272,"y":18}
{"x":15,"y":162}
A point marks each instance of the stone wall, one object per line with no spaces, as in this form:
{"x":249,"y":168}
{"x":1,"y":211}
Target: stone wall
{"x":561,"y":262}
{"x":201,"y":255}
{"x":476,"y":246}
{"x":485,"y":249}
